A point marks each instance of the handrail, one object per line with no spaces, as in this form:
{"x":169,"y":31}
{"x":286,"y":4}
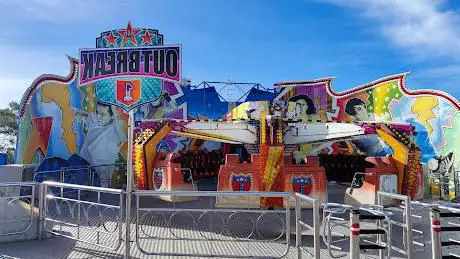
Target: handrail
{"x":408,"y":219}
{"x":82,"y":187}
{"x":299,"y":223}
{"x":6,"y":184}
{"x":209,"y":193}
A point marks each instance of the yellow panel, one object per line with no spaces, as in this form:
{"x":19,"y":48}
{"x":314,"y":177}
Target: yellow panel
{"x":400,"y":155}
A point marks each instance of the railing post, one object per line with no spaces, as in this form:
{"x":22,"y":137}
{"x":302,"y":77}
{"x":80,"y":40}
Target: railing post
{"x":41,"y":208}
{"x":354,"y":234}
{"x":409,"y":239}
{"x":316,"y":227}
{"x":129,"y":185}
{"x":435,"y":233}
{"x":379,"y":225}
{"x":298,"y":234}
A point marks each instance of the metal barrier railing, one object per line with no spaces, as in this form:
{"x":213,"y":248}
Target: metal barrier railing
{"x":14,"y":221}
{"x":97,"y":219}
{"x":188,"y":229}
{"x":299,"y":199}
{"x":437,"y":229}
{"x":356,"y":184}
{"x":187,"y":177}
{"x":406,"y":224}
{"x":332,"y":220}
{"x":356,"y":216}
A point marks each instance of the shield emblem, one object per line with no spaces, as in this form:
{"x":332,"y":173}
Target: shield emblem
{"x":302,"y":185}
{"x":157,"y":179}
{"x":241,"y":183}
{"x":128,"y":91}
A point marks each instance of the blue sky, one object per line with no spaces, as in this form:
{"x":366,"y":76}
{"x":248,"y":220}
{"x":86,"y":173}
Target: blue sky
{"x":269,"y":41}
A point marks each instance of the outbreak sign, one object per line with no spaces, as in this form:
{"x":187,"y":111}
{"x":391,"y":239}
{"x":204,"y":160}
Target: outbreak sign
{"x":162,"y":62}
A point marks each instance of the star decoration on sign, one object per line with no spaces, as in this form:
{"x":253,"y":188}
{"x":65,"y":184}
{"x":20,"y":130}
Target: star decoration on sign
{"x":147,"y":38}
{"x":111,"y":39}
{"x":384,"y":94}
{"x":129,"y":35}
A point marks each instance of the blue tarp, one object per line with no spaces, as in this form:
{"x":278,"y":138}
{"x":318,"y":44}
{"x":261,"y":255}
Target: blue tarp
{"x":76,"y":170}
{"x":204,"y":102}
{"x":259,"y":95}
{"x":3,"y":158}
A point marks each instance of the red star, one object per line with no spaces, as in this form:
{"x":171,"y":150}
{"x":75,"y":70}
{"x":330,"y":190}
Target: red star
{"x":129,"y":35}
{"x":146,"y":38}
{"x":111,"y":39}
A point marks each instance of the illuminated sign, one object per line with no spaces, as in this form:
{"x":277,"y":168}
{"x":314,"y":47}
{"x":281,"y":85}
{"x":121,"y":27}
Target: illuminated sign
{"x":161,"y":62}
{"x":129,"y":67}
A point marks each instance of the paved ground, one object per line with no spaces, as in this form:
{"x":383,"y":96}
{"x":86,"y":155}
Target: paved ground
{"x":215,"y":234}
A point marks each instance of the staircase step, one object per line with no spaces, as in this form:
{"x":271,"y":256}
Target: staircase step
{"x":372,"y":231}
{"x":371,"y":247}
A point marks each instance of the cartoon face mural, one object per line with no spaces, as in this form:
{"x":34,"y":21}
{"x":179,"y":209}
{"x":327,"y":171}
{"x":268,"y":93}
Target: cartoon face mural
{"x":304,"y":107}
{"x":357,"y":108}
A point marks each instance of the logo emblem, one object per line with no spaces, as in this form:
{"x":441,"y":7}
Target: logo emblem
{"x":302,"y":185}
{"x":241,"y":182}
{"x":157,"y":179}
{"x":128,"y":91}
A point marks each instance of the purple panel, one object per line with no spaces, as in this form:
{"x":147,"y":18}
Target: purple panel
{"x":170,"y":88}
{"x":178,"y":114}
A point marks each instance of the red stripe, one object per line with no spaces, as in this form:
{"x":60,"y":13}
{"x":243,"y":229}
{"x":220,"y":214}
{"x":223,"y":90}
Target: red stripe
{"x":355,"y":225}
{"x":436,"y":226}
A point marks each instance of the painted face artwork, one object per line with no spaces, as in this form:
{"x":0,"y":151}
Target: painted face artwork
{"x":301,"y":108}
{"x":104,"y":116}
{"x":361,"y":112}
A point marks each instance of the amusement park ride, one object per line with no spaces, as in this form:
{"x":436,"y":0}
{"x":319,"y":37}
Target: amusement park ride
{"x":271,"y":165}
{"x":270,"y":143}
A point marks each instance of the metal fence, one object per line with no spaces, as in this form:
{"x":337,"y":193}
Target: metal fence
{"x":17,"y":202}
{"x":199,"y":228}
{"x":93,"y":215}
{"x":188,"y":223}
{"x":444,"y":220}
{"x":405,"y":223}
{"x":299,"y":223}
{"x":110,"y":175}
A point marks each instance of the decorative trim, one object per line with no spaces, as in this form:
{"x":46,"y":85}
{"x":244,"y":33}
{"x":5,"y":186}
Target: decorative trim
{"x":401,"y":77}
{"x":48,"y":78}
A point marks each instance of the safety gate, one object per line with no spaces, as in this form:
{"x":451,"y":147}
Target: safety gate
{"x":438,"y":241}
{"x":85,"y":213}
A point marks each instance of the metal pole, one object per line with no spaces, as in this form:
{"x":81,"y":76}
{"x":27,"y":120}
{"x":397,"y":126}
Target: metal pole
{"x":379,"y":225}
{"x":316,"y":227}
{"x":298,"y":234}
{"x":129,"y":187}
{"x":435,"y":233}
{"x":408,"y":225}
{"x":354,"y":234}
{"x":41,"y":208}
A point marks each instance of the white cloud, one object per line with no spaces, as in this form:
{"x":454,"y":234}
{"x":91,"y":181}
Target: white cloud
{"x":422,"y":27}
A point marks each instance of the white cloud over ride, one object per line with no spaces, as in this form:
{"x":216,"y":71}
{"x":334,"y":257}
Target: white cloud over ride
{"x":425,"y":28}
